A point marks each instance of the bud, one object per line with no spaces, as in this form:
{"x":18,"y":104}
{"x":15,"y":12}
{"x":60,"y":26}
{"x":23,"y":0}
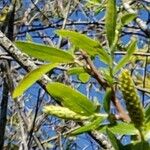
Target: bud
{"x":132,"y":99}
{"x":63,"y":112}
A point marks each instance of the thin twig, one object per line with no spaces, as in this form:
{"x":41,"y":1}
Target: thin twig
{"x":4,"y":102}
{"x":65,"y":21}
{"x":27,"y":63}
{"x":139,"y":21}
{"x":39,"y":99}
{"x":98,"y":76}
{"x":136,"y":53}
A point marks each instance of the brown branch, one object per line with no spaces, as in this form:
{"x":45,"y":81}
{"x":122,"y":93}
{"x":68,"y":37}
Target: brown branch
{"x":122,"y":113}
{"x":30,"y":134}
{"x":7,"y":87}
{"x":98,"y":76}
{"x":27,"y":63}
{"x":94,"y":72}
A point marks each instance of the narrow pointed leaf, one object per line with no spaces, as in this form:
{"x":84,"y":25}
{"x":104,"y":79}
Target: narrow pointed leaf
{"x":127,"y":18}
{"x":130,"y":50}
{"x":143,"y":145}
{"x":93,"y":125}
{"x":76,"y":70}
{"x":71,"y":98}
{"x":120,"y":128}
{"x":110,"y":20}
{"x":92,"y":47}
{"x":147,"y":114}
{"x":107,"y":99}
{"x":107,"y":76}
{"x":44,"y":52}
{"x":115,"y":142}
{"x":31,"y":78}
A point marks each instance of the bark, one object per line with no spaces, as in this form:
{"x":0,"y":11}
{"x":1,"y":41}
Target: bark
{"x":26,"y":62}
{"x":7,"y":86}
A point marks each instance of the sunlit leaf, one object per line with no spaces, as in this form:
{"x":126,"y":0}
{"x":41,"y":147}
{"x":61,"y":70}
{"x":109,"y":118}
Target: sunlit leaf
{"x":94,"y":2}
{"x":80,"y":72}
{"x":147,"y":114}
{"x":44,"y":52}
{"x":107,"y":99}
{"x":127,"y":18}
{"x":76,"y":70}
{"x":120,"y":128}
{"x":31,"y":78}
{"x":146,"y":131}
{"x":93,"y":125}
{"x":92,"y":47}
{"x":115,"y":142}
{"x":143,"y":145}
{"x":130,"y":50}
{"x":107,"y":76}
{"x":110,"y":20}
{"x":71,"y":98}
{"x":84,"y":77}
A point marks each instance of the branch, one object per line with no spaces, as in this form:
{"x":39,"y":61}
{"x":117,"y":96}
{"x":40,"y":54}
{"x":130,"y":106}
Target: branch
{"x":136,"y":54}
{"x":94,"y":72}
{"x":97,"y":75}
{"x":31,"y":130}
{"x":3,"y":111}
{"x":26,"y":62}
{"x":58,"y":24}
{"x":140,"y":22}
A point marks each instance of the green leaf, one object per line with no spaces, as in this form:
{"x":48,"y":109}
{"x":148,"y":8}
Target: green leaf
{"x":144,"y":145}
{"x":93,"y":125}
{"x":71,"y":98}
{"x":94,"y":2}
{"x":107,"y":99}
{"x":121,"y":129}
{"x":107,"y":75}
{"x":76,"y":70}
{"x":44,"y":52}
{"x":31,"y":78}
{"x":127,"y":18}
{"x":146,"y":131}
{"x":130,"y":50}
{"x":84,"y":77}
{"x":99,"y":9}
{"x":110,"y":20}
{"x":63,"y":112}
{"x":147,"y":114}
{"x":85,"y":43}
{"x":80,"y":72}
{"x":115,"y":142}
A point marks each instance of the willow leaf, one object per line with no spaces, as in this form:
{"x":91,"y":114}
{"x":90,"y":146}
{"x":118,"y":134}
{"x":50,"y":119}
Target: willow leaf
{"x":92,"y":47}
{"x":130,"y":50}
{"x":44,"y":52}
{"x":110,"y":20}
{"x":71,"y":98}
{"x":31,"y":78}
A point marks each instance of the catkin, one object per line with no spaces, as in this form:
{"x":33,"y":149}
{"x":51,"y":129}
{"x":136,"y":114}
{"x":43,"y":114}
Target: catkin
{"x":63,"y":112}
{"x":132,"y":99}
